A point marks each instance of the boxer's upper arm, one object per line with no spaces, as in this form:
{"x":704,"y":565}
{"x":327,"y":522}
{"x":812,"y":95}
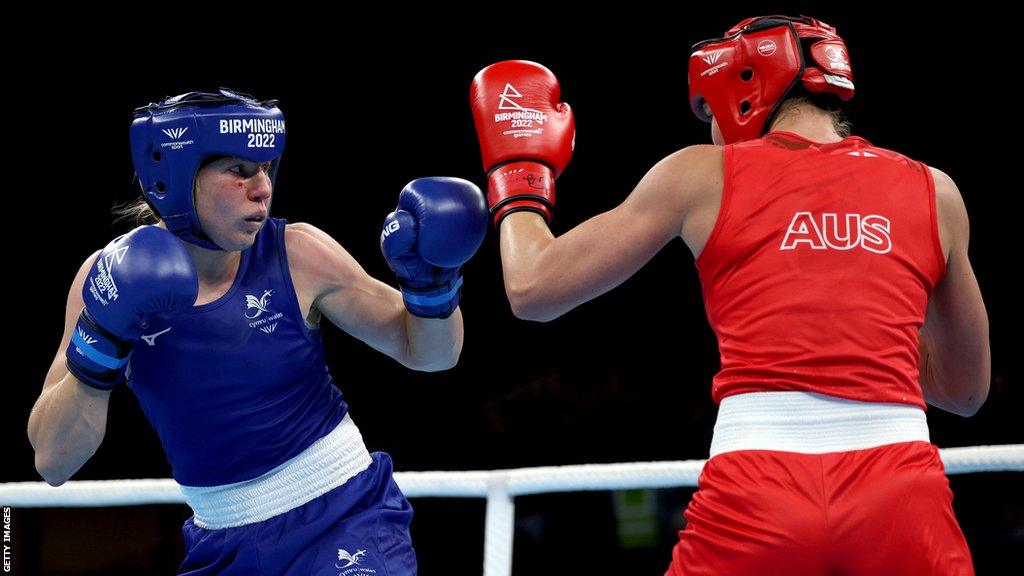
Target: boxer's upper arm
{"x":341,"y":289}
{"x":956,"y":324}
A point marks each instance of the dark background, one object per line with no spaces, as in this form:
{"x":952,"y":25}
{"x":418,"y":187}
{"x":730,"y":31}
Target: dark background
{"x":623,"y":378}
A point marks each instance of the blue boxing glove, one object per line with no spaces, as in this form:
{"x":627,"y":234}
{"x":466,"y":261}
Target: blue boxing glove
{"x":437,"y":227}
{"x":144,"y":272}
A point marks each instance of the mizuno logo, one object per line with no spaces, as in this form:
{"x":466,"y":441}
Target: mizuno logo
{"x":151,"y":338}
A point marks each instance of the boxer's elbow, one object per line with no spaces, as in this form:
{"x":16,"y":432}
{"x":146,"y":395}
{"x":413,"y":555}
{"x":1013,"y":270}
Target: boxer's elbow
{"x":51,"y":469}
{"x":528,"y":304}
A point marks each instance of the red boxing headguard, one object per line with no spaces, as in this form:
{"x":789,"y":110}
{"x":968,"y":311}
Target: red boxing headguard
{"x":744,"y":76}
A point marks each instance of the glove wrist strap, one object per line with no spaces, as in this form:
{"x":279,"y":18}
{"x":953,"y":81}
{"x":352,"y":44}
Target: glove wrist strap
{"x":96,"y":356}
{"x":520,"y":185}
{"x":433,"y":301}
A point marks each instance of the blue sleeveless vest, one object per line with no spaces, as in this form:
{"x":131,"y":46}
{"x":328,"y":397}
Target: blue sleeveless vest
{"x":239,"y":385}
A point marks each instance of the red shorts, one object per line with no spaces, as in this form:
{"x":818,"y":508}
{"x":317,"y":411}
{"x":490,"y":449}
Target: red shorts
{"x":884,"y":510}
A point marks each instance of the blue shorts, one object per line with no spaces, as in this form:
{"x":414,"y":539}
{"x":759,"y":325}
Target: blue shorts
{"x":358,"y":529}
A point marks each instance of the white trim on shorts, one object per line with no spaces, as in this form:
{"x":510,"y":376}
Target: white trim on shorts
{"x":810,"y":423}
{"x":323,"y":466}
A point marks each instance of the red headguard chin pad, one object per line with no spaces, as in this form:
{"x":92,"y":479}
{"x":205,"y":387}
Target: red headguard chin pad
{"x":744,"y":76}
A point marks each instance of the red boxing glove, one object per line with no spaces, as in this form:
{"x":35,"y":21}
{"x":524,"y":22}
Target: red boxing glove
{"x":526,"y":135}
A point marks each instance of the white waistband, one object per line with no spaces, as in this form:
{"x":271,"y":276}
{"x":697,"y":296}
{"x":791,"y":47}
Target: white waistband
{"x":810,"y":423}
{"x":324,"y":465}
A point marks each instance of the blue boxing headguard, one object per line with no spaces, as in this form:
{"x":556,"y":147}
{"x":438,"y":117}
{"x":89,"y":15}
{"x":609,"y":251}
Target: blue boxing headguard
{"x":170,"y":140}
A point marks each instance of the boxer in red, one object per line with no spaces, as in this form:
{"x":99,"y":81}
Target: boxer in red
{"x":835,"y":276}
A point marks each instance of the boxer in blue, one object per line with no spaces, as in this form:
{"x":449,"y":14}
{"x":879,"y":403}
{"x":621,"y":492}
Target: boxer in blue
{"x":212,"y":318}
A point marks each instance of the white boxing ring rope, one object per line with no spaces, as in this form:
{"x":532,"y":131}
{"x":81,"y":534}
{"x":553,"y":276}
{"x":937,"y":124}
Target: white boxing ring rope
{"x":498,"y":486}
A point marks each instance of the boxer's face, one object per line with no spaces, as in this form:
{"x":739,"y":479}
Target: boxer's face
{"x":232,"y":199}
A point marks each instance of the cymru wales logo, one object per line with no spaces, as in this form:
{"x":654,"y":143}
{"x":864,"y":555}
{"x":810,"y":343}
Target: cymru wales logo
{"x":351,"y":559}
{"x":259,"y":304}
